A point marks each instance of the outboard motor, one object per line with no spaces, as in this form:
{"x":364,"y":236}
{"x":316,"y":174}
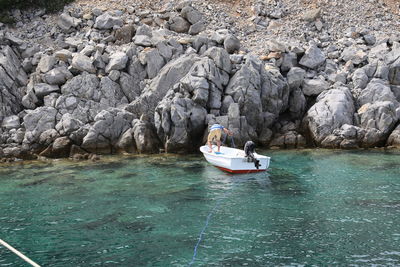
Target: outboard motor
{"x":249,"y":149}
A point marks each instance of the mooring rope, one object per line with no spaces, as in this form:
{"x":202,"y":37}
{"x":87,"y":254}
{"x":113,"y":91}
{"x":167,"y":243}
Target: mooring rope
{"x":19,"y":254}
{"x":206,"y":224}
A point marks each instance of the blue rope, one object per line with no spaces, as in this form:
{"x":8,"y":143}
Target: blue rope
{"x":206,"y":224}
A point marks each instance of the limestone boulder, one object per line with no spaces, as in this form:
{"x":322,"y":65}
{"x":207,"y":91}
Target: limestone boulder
{"x":12,"y":81}
{"x":313,"y":87}
{"x":109,"y":125}
{"x":153,"y":61}
{"x":333,"y":108}
{"x":313,"y":58}
{"x":231,"y":44}
{"x":394,"y":138}
{"x":11,"y":122}
{"x":59,"y":149}
{"x":46,"y":63}
{"x":295,"y":77}
{"x":66,"y":22}
{"x":57,"y":76}
{"x":81,"y":62}
{"x":191,"y":14}
{"x":38,"y":121}
{"x":145,"y":137}
{"x":178,"y":24}
{"x":376,"y":90}
{"x":118,"y":61}
{"x":170,"y":75}
{"x":43,"y":89}
{"x":107,"y":21}
{"x":378,"y":119}
{"x":180,"y":123}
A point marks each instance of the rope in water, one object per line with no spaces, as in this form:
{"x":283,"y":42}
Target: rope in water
{"x":206,"y":224}
{"x":19,"y":254}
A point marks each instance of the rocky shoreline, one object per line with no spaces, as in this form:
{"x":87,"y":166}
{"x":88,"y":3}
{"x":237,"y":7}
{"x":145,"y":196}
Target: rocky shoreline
{"x":91,"y":81}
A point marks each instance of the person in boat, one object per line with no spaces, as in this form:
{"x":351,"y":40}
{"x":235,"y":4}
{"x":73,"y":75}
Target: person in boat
{"x":215,"y":133}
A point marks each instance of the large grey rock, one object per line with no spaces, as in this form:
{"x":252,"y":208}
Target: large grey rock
{"x":107,"y":129}
{"x":146,"y":139}
{"x":68,"y":124}
{"x":360,"y":79}
{"x":170,"y":75}
{"x":393,"y":60}
{"x":83,"y":63}
{"x":355,"y":54}
{"x":46,"y":63}
{"x":12,"y":80}
{"x":66,"y":22}
{"x":118,"y":61}
{"x":106,"y":21}
{"x":142,"y":40}
{"x":11,"y":122}
{"x":81,"y":109}
{"x":297,"y":103}
{"x":38,"y":121}
{"x":394,"y":138}
{"x":289,"y":61}
{"x":153,"y":61}
{"x":378,"y":119}
{"x":313,"y":87}
{"x":312,"y":58}
{"x":245,"y":89}
{"x":376,"y":90}
{"x":57,"y":76}
{"x":295,"y":77}
{"x":231,"y":44}
{"x":43,"y":89}
{"x":124,"y":35}
{"x":191,"y":14}
{"x":130,"y":86}
{"x":178,"y":24}
{"x":59,"y":149}
{"x":197,"y":27}
{"x":220,"y":57}
{"x":144,"y":30}
{"x":180,"y":123}
{"x":83,"y":86}
{"x":333,"y":109}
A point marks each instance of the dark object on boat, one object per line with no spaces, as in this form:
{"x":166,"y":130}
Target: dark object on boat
{"x":249,"y":149}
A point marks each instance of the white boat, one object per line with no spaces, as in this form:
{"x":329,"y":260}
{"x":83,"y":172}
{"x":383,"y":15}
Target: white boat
{"x":234,"y":160}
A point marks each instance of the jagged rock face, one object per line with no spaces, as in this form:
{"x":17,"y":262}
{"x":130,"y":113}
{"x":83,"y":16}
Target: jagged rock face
{"x":171,"y":74}
{"x":144,"y":136}
{"x":93,"y":91}
{"x":38,"y":121}
{"x":109,"y":125}
{"x":12,"y":80}
{"x":333,"y":109}
{"x":378,"y":119}
{"x":376,"y":90}
{"x":106,"y":21}
{"x":394,"y":138}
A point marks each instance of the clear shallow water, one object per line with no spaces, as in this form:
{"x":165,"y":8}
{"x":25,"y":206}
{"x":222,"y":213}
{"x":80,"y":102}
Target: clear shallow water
{"x":312,"y":208}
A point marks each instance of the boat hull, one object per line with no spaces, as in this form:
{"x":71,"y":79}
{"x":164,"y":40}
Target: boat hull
{"x":233,"y":160}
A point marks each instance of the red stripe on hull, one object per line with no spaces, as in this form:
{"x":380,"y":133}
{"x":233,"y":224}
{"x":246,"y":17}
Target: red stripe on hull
{"x":239,"y":171}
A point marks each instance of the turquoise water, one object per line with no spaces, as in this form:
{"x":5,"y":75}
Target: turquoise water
{"x":313,"y":208}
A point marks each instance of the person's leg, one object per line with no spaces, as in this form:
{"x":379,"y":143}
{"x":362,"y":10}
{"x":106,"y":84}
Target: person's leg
{"x":218,"y":137}
{"x":219,"y":144}
{"x":209,"y":140}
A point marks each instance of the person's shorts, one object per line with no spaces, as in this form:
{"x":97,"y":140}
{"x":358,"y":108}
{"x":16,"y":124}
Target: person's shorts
{"x":214,"y":134}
